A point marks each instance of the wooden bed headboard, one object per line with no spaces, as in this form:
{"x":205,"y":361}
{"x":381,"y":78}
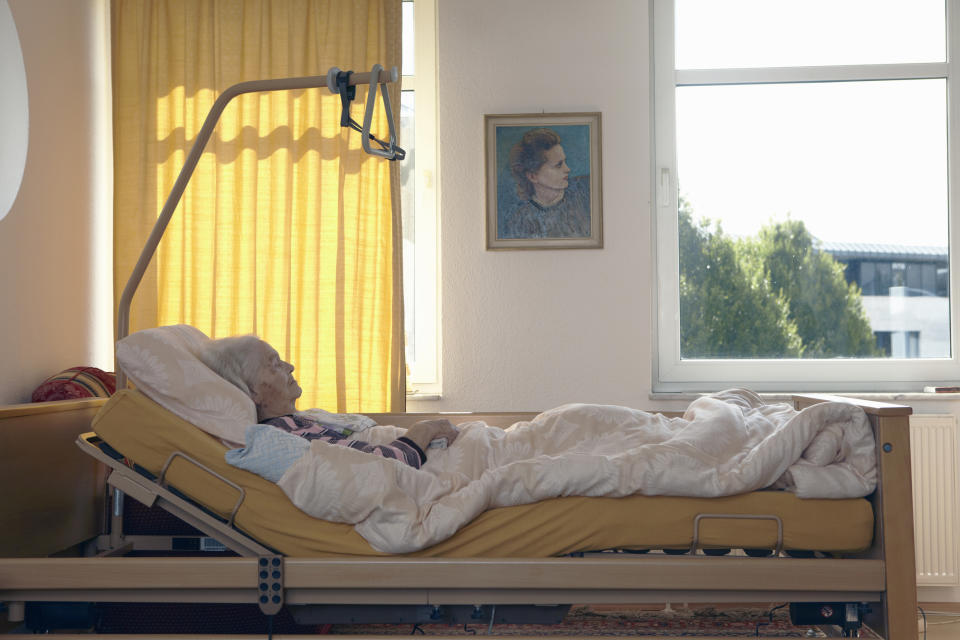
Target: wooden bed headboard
{"x":54,"y":492}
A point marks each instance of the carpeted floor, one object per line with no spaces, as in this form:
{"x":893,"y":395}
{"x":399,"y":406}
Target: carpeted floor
{"x":585,"y":621}
{"x":652,"y":621}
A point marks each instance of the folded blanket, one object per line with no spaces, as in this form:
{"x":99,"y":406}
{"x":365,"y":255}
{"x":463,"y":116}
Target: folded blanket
{"x":724,"y":444}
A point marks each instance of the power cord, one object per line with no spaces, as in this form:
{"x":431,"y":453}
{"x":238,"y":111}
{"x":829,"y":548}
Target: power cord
{"x":769,"y":618}
{"x":781,"y":606}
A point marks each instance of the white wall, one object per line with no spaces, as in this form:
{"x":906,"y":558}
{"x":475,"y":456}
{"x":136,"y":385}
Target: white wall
{"x":527,"y":330}
{"x":55,"y":244}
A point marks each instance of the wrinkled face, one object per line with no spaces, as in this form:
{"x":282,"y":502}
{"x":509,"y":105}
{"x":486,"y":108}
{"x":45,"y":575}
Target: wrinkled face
{"x":275,"y":390}
{"x":554,"y":172}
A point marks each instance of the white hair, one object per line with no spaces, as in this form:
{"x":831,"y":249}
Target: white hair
{"x":235,"y":359}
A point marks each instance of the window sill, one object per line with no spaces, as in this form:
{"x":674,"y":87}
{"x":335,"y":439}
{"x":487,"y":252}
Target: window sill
{"x":423,"y":397}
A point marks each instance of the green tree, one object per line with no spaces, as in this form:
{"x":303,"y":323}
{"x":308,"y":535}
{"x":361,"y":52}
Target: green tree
{"x":775,"y":295}
{"x":827,"y":310}
{"x":727,"y":310}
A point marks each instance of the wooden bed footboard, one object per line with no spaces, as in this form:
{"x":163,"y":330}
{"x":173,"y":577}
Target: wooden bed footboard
{"x":883,"y":576}
{"x":893,"y":514}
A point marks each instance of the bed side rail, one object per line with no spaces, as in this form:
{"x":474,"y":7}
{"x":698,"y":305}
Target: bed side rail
{"x":152,"y":492}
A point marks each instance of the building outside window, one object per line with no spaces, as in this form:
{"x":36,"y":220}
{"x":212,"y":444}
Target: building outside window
{"x":784,"y":129}
{"x":916,"y":327}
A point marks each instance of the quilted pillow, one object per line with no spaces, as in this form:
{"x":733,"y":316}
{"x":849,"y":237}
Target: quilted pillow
{"x":76,"y":382}
{"x":162,"y":362}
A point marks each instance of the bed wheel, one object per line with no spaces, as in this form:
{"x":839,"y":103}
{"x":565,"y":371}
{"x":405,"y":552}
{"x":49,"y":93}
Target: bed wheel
{"x":635,"y":550}
{"x":716,"y":552}
{"x":675,"y":552}
{"x":758,"y":553}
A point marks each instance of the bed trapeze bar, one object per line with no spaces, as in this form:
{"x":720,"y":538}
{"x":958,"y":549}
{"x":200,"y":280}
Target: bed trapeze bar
{"x":376,"y":76}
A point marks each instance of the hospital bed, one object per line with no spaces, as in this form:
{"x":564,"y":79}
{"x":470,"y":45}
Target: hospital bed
{"x":558,"y":552}
{"x":856,"y":555}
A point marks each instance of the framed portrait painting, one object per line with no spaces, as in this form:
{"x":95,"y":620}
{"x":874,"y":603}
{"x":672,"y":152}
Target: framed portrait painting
{"x":543,"y":181}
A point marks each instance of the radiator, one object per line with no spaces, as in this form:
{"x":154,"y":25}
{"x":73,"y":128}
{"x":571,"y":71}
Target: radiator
{"x":936,"y":498}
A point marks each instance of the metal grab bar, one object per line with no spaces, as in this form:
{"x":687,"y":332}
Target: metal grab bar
{"x":735,"y":516}
{"x":161,"y":480}
{"x":392,"y":152}
{"x":203,"y":135}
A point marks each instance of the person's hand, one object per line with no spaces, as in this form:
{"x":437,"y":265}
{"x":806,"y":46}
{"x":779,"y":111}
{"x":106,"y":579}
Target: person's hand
{"x":426,"y":430}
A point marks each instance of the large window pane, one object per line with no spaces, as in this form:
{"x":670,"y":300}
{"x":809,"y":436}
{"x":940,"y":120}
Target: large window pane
{"x":799,"y":181}
{"x":780,"y":33}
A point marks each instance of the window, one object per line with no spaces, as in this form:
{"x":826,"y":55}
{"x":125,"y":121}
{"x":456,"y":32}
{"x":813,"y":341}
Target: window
{"x":418,"y":117}
{"x":802,"y":188}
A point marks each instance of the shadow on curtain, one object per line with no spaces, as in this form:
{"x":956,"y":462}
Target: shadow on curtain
{"x":287,"y":230}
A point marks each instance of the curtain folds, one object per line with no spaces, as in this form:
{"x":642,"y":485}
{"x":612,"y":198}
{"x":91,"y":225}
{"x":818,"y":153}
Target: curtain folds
{"x":287,"y":229}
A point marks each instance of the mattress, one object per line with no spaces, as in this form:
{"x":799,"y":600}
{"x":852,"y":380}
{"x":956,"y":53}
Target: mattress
{"x":148,"y":434}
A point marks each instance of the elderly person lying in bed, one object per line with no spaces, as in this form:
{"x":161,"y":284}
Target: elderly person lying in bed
{"x":256,"y":368}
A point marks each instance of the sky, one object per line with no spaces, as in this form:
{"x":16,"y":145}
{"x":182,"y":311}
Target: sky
{"x":856,"y":161}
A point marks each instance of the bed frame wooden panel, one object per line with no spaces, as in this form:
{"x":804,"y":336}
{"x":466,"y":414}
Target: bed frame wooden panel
{"x":884,"y":575}
{"x":54,"y":494}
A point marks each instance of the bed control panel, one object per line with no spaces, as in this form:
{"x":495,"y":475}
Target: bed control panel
{"x":270,"y":584}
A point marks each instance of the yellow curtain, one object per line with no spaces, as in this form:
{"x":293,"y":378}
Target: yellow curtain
{"x":287,"y":229}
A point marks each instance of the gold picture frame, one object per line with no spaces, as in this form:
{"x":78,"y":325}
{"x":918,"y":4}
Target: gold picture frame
{"x":543,"y":181}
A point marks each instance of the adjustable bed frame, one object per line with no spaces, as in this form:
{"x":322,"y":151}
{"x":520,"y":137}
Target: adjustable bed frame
{"x":876,"y":587}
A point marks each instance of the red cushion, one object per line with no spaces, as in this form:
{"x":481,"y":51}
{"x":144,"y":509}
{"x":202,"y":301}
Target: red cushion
{"x":76,"y":382}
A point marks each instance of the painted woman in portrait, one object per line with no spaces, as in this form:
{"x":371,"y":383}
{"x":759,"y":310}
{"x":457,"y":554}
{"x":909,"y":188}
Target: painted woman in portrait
{"x":552,"y":203}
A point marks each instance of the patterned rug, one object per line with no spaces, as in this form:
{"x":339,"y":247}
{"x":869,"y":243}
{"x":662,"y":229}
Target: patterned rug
{"x":705,"y":622}
{"x":649,"y":621}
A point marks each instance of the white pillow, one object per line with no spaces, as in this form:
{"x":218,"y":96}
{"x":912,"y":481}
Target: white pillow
{"x":162,"y":362}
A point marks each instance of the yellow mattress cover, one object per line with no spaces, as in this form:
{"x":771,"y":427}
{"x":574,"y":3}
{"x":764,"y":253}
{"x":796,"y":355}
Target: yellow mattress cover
{"x":148,"y":434}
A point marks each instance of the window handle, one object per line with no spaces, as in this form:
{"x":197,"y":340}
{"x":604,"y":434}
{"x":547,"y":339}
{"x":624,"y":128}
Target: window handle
{"x":664,"y":187}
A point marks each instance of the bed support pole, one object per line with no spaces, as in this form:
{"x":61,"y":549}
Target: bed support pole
{"x":382,"y":76}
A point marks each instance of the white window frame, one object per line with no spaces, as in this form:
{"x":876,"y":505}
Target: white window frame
{"x":425,"y":372}
{"x":670,"y":372}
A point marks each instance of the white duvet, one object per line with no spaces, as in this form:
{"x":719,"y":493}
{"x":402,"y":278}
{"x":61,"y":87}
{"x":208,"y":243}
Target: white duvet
{"x":724,"y":444}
